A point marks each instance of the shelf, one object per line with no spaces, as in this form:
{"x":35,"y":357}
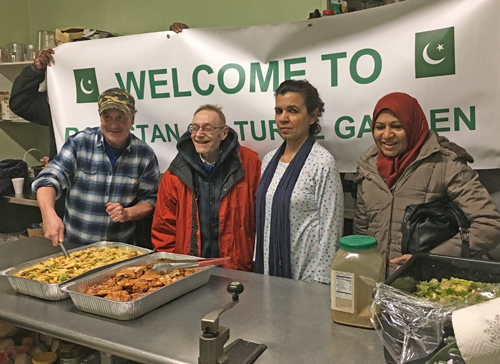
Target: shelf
{"x":10,"y":70}
{"x":14,"y":121}
{"x":23,"y":63}
{"x":23,"y":199}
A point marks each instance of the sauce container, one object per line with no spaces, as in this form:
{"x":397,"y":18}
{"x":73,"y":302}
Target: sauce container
{"x":69,"y":353}
{"x":356,"y":268}
{"x":44,"y":358}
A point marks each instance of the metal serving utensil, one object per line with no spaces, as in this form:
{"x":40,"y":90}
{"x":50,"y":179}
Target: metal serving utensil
{"x":165,"y":264}
{"x":63,"y":248}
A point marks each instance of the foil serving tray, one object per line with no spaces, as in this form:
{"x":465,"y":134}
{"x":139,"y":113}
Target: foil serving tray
{"x":53,"y":291}
{"x":132,"y":309}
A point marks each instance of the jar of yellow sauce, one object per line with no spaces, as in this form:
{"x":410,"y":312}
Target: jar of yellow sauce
{"x":356,"y":268}
{"x":44,"y":358}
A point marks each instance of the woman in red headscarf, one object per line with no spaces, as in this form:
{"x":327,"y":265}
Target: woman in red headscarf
{"x":410,"y":164}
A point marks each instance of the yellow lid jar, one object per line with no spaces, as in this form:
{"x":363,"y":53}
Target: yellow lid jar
{"x":356,"y":268}
{"x":44,"y":358}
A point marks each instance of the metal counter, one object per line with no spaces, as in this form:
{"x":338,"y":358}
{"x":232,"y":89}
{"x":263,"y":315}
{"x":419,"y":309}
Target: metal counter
{"x":23,"y":199}
{"x":291,"y":317}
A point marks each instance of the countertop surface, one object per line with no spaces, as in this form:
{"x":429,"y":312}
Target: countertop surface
{"x":291,"y":317}
{"x":27,"y":199}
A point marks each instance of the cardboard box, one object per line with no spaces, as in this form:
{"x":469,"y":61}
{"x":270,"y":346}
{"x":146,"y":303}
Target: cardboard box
{"x":5,"y":111}
{"x":66,"y":35}
{"x":31,"y":232}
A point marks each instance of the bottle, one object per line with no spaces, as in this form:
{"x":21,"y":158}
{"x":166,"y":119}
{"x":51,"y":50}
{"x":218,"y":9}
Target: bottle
{"x":68,"y":353}
{"x":356,"y":268}
{"x":373,"y":3}
{"x":345,"y":8}
{"x":328,"y":12}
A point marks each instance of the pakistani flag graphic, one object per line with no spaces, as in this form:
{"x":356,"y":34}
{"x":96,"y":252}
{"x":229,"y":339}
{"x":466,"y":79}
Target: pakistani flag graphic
{"x":435,"y":53}
{"x":86,"y":85}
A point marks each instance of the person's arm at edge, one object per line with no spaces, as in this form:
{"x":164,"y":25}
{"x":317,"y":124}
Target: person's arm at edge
{"x":464,"y":187}
{"x":25,"y":89}
{"x":122,"y":214}
{"x":331,"y":212}
{"x":360,"y":223}
{"x":139,"y":210}
{"x":164,"y":226}
{"x":24,"y":93}
{"x":51,"y":181}
{"x":252,"y":168}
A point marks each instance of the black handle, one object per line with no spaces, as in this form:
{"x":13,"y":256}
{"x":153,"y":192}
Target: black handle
{"x":235,"y":289}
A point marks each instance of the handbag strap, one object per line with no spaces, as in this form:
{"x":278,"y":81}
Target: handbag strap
{"x":463,"y":226}
{"x":464,"y":235}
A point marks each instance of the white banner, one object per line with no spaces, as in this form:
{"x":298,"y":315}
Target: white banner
{"x":443,"y":52}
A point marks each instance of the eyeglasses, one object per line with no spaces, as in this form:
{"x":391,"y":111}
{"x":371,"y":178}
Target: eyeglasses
{"x":193,"y":128}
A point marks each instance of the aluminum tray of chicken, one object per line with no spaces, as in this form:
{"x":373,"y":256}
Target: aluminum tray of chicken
{"x":129,"y":290}
{"x":44,"y":277}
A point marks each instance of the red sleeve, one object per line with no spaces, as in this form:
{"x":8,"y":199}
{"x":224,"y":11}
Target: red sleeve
{"x":164,"y":226}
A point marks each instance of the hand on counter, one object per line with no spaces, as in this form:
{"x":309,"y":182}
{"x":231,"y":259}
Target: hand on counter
{"x":43,"y":59}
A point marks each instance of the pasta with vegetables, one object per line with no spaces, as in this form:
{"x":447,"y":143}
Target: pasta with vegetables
{"x":60,"y":269}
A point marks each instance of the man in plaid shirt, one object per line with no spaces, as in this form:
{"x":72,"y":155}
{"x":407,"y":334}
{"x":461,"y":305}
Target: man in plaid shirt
{"x":110,"y":175}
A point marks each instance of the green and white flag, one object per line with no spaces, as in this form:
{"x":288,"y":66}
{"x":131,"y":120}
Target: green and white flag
{"x":435,"y":53}
{"x":87,"y":89}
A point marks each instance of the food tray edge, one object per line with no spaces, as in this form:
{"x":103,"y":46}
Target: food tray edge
{"x":52,"y":291}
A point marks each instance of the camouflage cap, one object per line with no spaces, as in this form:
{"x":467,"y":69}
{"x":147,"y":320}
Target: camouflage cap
{"x":116,"y":98}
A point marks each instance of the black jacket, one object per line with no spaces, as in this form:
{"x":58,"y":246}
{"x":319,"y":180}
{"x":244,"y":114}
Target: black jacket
{"x":28,"y":103}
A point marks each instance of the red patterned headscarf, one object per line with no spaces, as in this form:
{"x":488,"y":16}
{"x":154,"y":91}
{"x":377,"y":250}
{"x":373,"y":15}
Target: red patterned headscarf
{"x":412,"y":118}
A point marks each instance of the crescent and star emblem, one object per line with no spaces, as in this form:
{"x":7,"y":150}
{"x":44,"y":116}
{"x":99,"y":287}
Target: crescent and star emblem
{"x":84,"y":90}
{"x":429,"y":59}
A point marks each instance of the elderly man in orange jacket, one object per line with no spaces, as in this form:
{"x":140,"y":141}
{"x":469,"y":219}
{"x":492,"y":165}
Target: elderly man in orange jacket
{"x":206,"y":200}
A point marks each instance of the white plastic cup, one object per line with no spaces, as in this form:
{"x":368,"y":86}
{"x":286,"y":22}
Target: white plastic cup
{"x":18,"y":184}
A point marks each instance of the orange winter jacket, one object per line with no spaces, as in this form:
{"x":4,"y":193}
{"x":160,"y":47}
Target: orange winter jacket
{"x":176,"y":221}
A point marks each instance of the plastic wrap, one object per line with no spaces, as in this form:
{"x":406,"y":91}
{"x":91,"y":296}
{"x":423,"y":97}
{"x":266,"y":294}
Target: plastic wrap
{"x":410,"y":328}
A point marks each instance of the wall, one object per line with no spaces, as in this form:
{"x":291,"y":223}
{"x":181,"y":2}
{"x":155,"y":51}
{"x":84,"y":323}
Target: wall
{"x":14,"y":22}
{"x":18,"y":137}
{"x":21,"y":19}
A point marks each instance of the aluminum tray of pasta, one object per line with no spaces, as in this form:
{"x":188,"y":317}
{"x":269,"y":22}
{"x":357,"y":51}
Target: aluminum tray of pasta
{"x":52,"y":291}
{"x":129,"y":310}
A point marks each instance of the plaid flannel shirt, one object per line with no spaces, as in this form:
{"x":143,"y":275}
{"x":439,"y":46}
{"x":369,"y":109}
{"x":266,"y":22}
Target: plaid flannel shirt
{"x":83,"y":168}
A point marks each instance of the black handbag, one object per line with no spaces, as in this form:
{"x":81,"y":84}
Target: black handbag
{"x":12,"y":168}
{"x":427,"y":225}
